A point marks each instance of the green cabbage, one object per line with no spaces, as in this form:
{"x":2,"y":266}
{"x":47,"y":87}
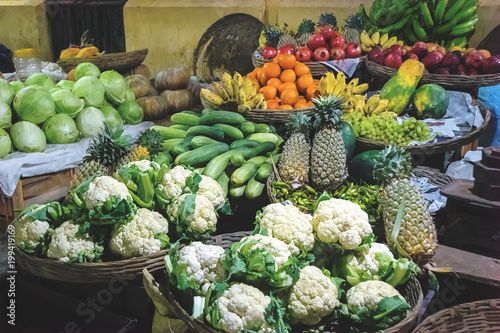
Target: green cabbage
{"x":65,"y":84}
{"x":90,"y":122}
{"x":86,"y":69}
{"x":7,"y":91}
{"x":131,"y":112}
{"x":42,"y":80}
{"x":5,"y":115}
{"x":5,"y":143}
{"x":27,"y":137}
{"x":60,"y":128}
{"x":91,"y":90}
{"x":17,"y":85}
{"x":129,"y":94}
{"x":34,"y":104}
{"x":67,"y":103}
{"x":115,"y":85}
{"x":112,"y":117}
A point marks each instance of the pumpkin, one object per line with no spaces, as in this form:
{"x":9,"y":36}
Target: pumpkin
{"x":173,"y":78}
{"x":141,"y":69}
{"x":177,"y":100}
{"x":154,"y":107}
{"x":430,"y":101}
{"x":71,"y":75}
{"x":400,"y":88}
{"x":139,"y":84}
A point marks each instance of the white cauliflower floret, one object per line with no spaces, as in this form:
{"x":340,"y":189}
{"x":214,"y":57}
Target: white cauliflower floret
{"x":368,"y":294}
{"x":212,"y":190}
{"x":342,"y":221}
{"x":204,"y":264}
{"x":242,"y":306}
{"x":30,"y":231}
{"x":103,"y":188}
{"x":313,"y":297}
{"x":277,"y":248}
{"x":174,"y":182}
{"x":290,"y":225}
{"x":137,"y":237}
{"x":143,"y":165}
{"x":65,"y":245}
{"x":203,"y":219}
{"x":367,"y":262}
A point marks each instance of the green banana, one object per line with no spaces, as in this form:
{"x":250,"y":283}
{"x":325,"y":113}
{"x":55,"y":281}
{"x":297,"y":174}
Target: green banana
{"x":440,"y":9}
{"x":372,"y":30}
{"x":453,"y":10}
{"x":459,"y":41}
{"x":379,"y":15}
{"x":466,"y":14}
{"x":444,"y":29}
{"x":376,"y":7}
{"x":419,"y":31}
{"x":362,"y":13}
{"x":410,"y":35}
{"x":463,"y":28}
{"x":426,"y":14}
{"x":394,"y":28}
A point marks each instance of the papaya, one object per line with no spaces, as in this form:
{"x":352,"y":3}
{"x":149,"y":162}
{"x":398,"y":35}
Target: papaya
{"x":90,"y":51}
{"x":400,"y":88}
{"x":69,"y":52}
{"x":429,"y":101}
{"x":349,"y":139}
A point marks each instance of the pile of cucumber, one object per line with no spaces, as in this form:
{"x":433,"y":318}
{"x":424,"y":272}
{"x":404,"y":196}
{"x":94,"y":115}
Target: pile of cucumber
{"x":223,"y":145}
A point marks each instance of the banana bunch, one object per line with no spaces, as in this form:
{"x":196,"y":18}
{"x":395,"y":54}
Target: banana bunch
{"x":331,"y":85}
{"x":368,"y":107}
{"x":234,"y":91}
{"x":376,"y":40}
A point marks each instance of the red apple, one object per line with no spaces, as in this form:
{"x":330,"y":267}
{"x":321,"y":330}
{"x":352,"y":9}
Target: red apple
{"x":420,"y":49}
{"x":327,"y":31}
{"x":337,"y":41}
{"x":321,"y":54}
{"x":287,"y":49}
{"x":474,"y":60}
{"x":460,"y":55}
{"x":393,"y":60}
{"x":432,"y":60}
{"x":316,"y":40}
{"x":410,"y":55}
{"x":458,"y":71}
{"x":472,"y":71}
{"x":269,"y":52}
{"x":376,"y":55}
{"x":450,"y":61}
{"x":491,"y":65}
{"x":353,"y":50}
{"x":396,"y":49}
{"x":337,"y":53}
{"x":442,"y":71}
{"x":304,"y":54}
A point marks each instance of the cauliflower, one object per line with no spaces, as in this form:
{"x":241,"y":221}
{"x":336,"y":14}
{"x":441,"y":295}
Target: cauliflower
{"x":368,"y":294}
{"x":366,"y":266}
{"x":141,"y":236}
{"x":277,"y":248}
{"x":212,"y":191}
{"x":30,"y":232}
{"x":313,"y":297}
{"x":143,"y":165}
{"x":102,"y":189}
{"x":289,"y":225}
{"x":66,"y":246}
{"x":174,"y":182}
{"x":198,"y":218}
{"x":338,"y":220}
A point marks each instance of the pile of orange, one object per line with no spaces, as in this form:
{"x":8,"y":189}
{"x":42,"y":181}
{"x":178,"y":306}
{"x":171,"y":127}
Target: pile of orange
{"x":285,"y":83}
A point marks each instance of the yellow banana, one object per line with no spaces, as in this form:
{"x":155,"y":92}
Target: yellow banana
{"x":390,"y":42}
{"x":220,"y":90}
{"x":332,"y":82}
{"x":400,"y":42}
{"x":388,"y":114}
{"x":371,"y":104}
{"x":353,"y":83}
{"x":340,"y":85}
{"x":255,"y":100}
{"x":360,"y":108}
{"x":382,"y":106}
{"x":228,"y":84}
{"x":323,"y":86}
{"x":244,"y":109}
{"x":366,"y":40}
{"x":365,"y":48}
{"x":241,"y":98}
{"x":384,"y":38}
{"x":211,"y":97}
{"x":375,"y":38}
{"x":248,"y":88}
{"x":237,"y":82}
{"x":360,"y":89}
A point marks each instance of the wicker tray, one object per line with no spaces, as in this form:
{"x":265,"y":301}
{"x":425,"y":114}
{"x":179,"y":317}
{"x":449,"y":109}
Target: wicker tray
{"x":119,"y":62}
{"x":274,"y":116}
{"x":480,"y":316}
{"x":451,"y":82}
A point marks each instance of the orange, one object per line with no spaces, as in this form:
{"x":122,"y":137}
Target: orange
{"x":287,"y":61}
{"x":301,"y":69}
{"x":286,"y":107}
{"x":277,"y":58}
{"x":289,"y":96}
{"x":304,"y":82}
{"x":300,"y":104}
{"x":269,"y":92}
{"x":287,"y":85}
{"x":312,"y":92}
{"x":288,"y":75}
{"x":258,"y":73}
{"x":310,"y":104}
{"x":316,"y":81}
{"x":253,"y":74}
{"x":272,"y":104}
{"x":275,"y":82}
{"x":263,"y":79}
{"x":272,"y":69}
{"x":302,"y":98}
{"x":255,"y":83}
{"x":277,"y":99}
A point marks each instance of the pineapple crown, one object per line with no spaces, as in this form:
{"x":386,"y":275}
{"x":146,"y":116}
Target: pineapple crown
{"x":306,"y":27}
{"x":151,"y":140}
{"x":328,"y":111}
{"x":272,"y":35}
{"x":327,"y":18}
{"x":392,"y":162}
{"x":299,"y":123}
{"x":109,"y":146}
{"x":354,"y":21}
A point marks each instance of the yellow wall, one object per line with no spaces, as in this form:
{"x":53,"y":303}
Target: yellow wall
{"x":23,"y":24}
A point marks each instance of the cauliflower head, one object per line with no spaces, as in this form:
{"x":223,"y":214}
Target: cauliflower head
{"x":366,"y":266}
{"x":174,"y":181}
{"x":212,"y":190}
{"x":289,"y":225}
{"x":66,"y":246}
{"x":144,"y":165}
{"x":368,"y":294}
{"x":313,"y":297}
{"x":277,"y":248}
{"x":200,"y":218}
{"x":30,"y":232}
{"x":137,"y":238}
{"x":342,"y":221}
{"x":102,"y":189}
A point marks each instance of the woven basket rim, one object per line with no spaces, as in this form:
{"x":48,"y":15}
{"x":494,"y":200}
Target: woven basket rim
{"x":107,"y":61}
{"x":275,"y":115}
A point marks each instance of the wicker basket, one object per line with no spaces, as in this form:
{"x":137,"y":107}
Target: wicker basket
{"x":479,"y":317}
{"x":120,"y":62}
{"x":451,"y":82}
{"x":275,"y":116}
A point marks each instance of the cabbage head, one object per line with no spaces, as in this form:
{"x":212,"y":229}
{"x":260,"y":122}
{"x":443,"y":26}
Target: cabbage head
{"x":131,"y":112}
{"x":60,"y":128}
{"x":65,"y":84}
{"x":111,"y":116}
{"x":42,"y":80}
{"x":91,"y":90}
{"x":67,"y":103}
{"x":17,"y":85}
{"x":130,"y":95}
{"x":86,"y":69}
{"x":115,"y":85}
{"x":34,"y":104}
{"x":27,"y":137}
{"x":5,"y":115}
{"x":7,"y":91}
{"x":90,"y":122}
{"x":5,"y":143}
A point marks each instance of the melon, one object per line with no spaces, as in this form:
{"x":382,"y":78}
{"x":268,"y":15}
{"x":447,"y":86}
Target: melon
{"x":429,"y":101}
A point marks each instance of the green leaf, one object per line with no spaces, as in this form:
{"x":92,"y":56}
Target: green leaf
{"x":323,"y":197}
{"x":226,"y":209}
{"x":277,"y":316}
{"x":164,"y":239}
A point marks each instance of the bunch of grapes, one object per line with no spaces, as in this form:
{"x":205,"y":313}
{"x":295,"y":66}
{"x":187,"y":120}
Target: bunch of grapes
{"x":388,"y":129}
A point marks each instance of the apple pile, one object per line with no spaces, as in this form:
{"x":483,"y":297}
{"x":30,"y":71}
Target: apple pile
{"x":437,"y":61}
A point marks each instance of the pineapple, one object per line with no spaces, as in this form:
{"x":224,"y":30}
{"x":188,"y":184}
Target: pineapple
{"x":327,"y":19}
{"x":417,"y":235}
{"x":328,"y":157}
{"x":293,"y":166}
{"x":151,"y":140}
{"x":305,"y":30}
{"x":272,"y":35}
{"x":354,"y":24}
{"x":137,"y":153}
{"x":287,"y":39}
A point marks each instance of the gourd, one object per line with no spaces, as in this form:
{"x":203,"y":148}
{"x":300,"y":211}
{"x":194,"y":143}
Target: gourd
{"x":142,"y":70}
{"x":173,"y":78}
{"x":400,"y":88}
{"x":177,"y":100}
{"x":430,"y":101}
{"x":153,"y":107}
{"x":139,"y":84}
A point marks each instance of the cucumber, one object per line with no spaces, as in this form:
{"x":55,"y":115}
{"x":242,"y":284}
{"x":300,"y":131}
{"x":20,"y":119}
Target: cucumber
{"x":274,"y":158}
{"x":272,"y":129}
{"x":201,"y":155}
{"x":184,"y":119}
{"x":237,"y":159}
{"x":201,"y":141}
{"x":254,"y":188}
{"x":206,"y":111}
{"x":247,"y":128}
{"x":222,"y":117}
{"x":171,"y":143}
{"x":211,"y":132}
{"x":236,"y":191}
{"x":231,"y":133}
{"x":245,"y":172}
{"x":245,"y":143}
{"x":178,"y":150}
{"x":181,"y":127}
{"x":186,"y":142}
{"x":217,"y":165}
{"x":169,"y":132}
{"x":264,"y":171}
{"x":263,"y":137}
{"x":261,"y":148}
{"x":262,"y":128}
{"x":191,"y":113}
{"x":223,"y":181}
{"x":163,"y":158}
